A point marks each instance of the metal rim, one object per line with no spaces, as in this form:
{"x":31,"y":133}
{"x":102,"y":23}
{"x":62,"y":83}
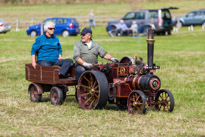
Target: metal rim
{"x":92,"y":90}
{"x":136,"y":102}
{"x":34,"y":96}
{"x":34,"y":93}
{"x":164,"y":101}
{"x":33,"y":33}
{"x":65,"y":33}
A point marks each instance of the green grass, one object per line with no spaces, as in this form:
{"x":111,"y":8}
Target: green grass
{"x":121,"y":8}
{"x":181,"y":57}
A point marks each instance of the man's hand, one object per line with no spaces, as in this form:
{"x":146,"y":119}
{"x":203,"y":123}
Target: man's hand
{"x":87,"y":65}
{"x":114,"y":60}
{"x":34,"y":65}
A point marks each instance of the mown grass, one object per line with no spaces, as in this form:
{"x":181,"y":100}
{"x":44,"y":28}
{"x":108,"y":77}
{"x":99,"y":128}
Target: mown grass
{"x":121,"y":8}
{"x":181,"y":57}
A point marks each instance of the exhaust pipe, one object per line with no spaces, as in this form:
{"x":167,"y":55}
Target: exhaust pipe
{"x":150,"y":50}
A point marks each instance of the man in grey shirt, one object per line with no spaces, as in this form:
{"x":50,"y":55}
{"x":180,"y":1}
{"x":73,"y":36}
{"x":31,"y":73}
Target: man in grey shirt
{"x":86,"y":53}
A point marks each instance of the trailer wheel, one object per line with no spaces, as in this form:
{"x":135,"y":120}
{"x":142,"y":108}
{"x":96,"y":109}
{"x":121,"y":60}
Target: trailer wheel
{"x":34,"y":96}
{"x":136,"y":102}
{"x":164,"y":101}
{"x":92,"y":90}
{"x":56,"y":96}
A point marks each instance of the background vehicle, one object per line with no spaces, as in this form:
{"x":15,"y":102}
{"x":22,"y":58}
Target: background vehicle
{"x":196,"y":17}
{"x":63,"y":26}
{"x":4,"y":26}
{"x":158,"y":19}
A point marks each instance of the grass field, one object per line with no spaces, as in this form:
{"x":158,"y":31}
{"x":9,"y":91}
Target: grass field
{"x":181,"y":57}
{"x":100,"y":9}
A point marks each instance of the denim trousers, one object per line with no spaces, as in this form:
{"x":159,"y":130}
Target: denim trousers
{"x":64,"y":64}
{"x":79,"y":71}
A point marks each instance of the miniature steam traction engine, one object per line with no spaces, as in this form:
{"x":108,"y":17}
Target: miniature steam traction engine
{"x":130,"y":84}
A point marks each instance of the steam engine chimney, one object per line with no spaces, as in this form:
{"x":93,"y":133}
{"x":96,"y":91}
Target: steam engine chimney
{"x":150,"y":48}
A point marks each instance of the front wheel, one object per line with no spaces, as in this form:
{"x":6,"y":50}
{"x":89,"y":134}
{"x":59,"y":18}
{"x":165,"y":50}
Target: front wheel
{"x":164,"y":101}
{"x":65,"y":33}
{"x":136,"y":102}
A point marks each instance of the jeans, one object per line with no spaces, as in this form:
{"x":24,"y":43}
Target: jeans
{"x":78,"y":71}
{"x":91,"y":23}
{"x":64,"y":64}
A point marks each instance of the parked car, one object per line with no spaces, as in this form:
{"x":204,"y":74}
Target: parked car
{"x":63,"y":26}
{"x":4,"y":26}
{"x":159,"y":19}
{"x":196,"y":17}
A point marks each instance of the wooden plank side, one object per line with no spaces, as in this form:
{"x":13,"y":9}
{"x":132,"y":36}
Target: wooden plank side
{"x":42,"y":73}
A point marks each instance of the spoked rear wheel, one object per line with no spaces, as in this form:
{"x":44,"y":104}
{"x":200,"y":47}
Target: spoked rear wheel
{"x":164,"y":101}
{"x":136,"y":102}
{"x":92,"y":90}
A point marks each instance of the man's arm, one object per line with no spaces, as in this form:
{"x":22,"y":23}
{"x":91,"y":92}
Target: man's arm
{"x":80,"y":61}
{"x":85,"y":64}
{"x":109,"y":57}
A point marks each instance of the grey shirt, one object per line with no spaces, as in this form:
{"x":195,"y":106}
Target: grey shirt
{"x":88,"y":55}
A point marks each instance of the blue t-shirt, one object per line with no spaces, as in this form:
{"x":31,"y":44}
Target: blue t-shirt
{"x":48,"y":48}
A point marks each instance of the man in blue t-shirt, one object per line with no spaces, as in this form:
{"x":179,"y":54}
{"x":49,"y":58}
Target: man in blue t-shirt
{"x":48,"y":49}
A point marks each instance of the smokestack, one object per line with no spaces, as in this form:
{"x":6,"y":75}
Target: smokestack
{"x":150,"y":48}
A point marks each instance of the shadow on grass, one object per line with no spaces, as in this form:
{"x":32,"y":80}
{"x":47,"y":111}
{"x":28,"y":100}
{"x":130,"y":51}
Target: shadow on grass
{"x":111,"y":107}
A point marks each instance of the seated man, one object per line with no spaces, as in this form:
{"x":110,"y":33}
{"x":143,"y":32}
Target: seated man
{"x":49,"y":51}
{"x":86,"y":53}
{"x":122,"y":28}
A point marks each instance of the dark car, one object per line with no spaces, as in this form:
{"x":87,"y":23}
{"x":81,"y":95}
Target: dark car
{"x":4,"y":26}
{"x":158,"y":19}
{"x":196,"y":17}
{"x":63,"y":26}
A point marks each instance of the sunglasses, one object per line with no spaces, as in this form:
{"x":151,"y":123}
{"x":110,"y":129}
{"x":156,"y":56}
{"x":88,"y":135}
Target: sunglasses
{"x":51,"y":28}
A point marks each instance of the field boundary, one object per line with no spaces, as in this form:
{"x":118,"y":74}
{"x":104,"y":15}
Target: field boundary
{"x":24,"y":22}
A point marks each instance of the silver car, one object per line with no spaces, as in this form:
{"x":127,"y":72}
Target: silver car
{"x":196,"y":17}
{"x":4,"y":26}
